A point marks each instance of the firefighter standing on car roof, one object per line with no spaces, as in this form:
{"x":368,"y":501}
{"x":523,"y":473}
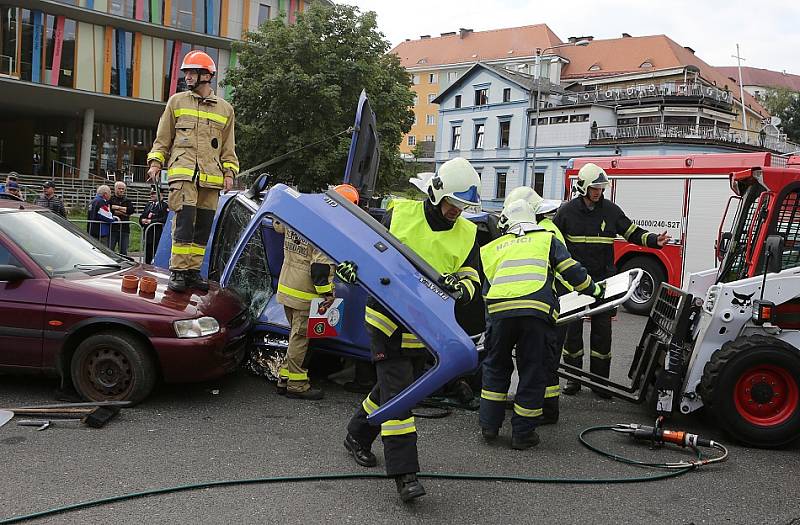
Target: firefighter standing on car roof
{"x":306,"y":274}
{"x":434,"y":230}
{"x":544,"y":210}
{"x":195,"y":142}
{"x":521,"y":267}
{"x":590,"y":223}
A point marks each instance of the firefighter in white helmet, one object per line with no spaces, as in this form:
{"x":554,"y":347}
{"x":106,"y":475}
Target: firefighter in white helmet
{"x":195,"y":143}
{"x":521,"y":267}
{"x":590,"y":223}
{"x":434,"y":230}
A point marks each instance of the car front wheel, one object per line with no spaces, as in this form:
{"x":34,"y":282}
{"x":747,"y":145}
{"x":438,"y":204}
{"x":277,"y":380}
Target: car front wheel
{"x":113,"y":367}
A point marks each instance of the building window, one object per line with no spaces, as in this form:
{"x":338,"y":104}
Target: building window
{"x":628,"y":121}
{"x":500,"y":185}
{"x":561,"y":119}
{"x":458,"y":101}
{"x":479,"y":128}
{"x":481,"y":97}
{"x":415,"y":119}
{"x":430,"y":119}
{"x":416,"y":100}
{"x":538,"y":182}
{"x":455,"y":141}
{"x":433,"y":78}
{"x":428,"y":138}
{"x":264,"y":13}
{"x":579,"y":118}
{"x":412,"y":140}
{"x":452,"y":76}
{"x":595,"y":67}
{"x":415,"y":79}
{"x":507,"y":95}
{"x":505,"y":133}
{"x":431,"y":98}
{"x":646,"y":65}
{"x":542,"y":121}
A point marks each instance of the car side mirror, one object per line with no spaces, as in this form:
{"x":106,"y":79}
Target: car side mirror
{"x":773,"y":250}
{"x":13,"y":273}
{"x":259,"y":185}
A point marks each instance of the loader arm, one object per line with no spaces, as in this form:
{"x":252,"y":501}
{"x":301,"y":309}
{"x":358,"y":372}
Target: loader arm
{"x":394,"y":275}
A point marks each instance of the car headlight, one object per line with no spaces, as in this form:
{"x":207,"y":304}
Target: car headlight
{"x":196,"y":327}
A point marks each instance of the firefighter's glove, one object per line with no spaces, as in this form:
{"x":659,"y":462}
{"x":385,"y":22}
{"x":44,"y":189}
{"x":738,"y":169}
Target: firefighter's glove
{"x":449,"y":282}
{"x":347,"y":271}
{"x":599,"y":290}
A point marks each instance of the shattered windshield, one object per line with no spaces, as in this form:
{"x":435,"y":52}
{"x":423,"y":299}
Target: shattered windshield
{"x":251,"y":278}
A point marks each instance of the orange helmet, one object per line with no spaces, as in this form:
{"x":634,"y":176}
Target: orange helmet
{"x":198,"y":60}
{"x":348,"y":192}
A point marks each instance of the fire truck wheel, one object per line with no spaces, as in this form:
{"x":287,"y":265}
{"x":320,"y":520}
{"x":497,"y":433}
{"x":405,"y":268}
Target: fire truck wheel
{"x":752,"y":385}
{"x":642,"y":299}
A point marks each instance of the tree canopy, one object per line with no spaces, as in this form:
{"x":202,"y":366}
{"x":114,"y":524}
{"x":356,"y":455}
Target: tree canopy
{"x":785,"y":104}
{"x":299,"y":84}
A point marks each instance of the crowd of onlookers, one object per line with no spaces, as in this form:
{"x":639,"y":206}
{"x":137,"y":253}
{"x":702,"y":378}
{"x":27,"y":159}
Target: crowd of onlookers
{"x":109,"y":215}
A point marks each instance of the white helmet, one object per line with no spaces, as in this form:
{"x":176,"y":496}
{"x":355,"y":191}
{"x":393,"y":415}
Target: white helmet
{"x":591,"y":176}
{"x":548,"y":206}
{"x":457,"y":181}
{"x":525,"y":193}
{"x":517,"y":217}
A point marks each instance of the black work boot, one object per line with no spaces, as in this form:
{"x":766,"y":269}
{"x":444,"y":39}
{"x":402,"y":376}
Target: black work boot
{"x":549,"y":418}
{"x":572,"y":388}
{"x":312,"y":394}
{"x":525,"y":441}
{"x":280,"y":388}
{"x":177,"y":281}
{"x":489,"y":434}
{"x":361,"y":454}
{"x":196,"y":281}
{"x":409,"y":487}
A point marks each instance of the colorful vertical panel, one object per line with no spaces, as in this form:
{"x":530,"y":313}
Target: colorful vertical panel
{"x":36,"y":60}
{"x":137,"y":63}
{"x":210,"y":17}
{"x":245,"y":16}
{"x":138,"y":10}
{"x":84,"y":57}
{"x":167,"y":11}
{"x":122,"y":70}
{"x":156,"y":71}
{"x":292,"y":11}
{"x":101,"y":5}
{"x":108,"y":52}
{"x":155,"y":11}
{"x":58,"y":45}
{"x":175,"y":67}
{"x":223,"y":18}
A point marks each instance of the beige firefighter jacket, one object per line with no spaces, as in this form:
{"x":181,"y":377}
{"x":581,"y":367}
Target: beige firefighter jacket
{"x":306,"y":272}
{"x":194,"y":131}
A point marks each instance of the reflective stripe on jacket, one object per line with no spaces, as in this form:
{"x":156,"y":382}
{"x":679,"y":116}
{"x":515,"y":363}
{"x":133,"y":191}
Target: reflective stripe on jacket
{"x":196,"y":132}
{"x":306,"y":273}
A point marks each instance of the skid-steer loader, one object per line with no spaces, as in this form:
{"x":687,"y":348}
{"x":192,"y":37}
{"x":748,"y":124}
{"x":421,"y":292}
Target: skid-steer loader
{"x":730,"y":339}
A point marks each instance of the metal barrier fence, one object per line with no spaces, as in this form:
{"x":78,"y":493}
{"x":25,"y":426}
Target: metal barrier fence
{"x":135,"y":250}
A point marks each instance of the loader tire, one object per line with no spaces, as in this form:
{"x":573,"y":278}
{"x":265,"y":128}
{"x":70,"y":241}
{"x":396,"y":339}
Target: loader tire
{"x":752,"y":386}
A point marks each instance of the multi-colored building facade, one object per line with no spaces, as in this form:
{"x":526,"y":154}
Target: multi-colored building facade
{"x":84,"y":82}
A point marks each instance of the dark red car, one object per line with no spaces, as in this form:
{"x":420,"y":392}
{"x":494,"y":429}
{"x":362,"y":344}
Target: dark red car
{"x":63,"y":311}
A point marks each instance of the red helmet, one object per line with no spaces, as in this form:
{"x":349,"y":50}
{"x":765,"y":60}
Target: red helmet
{"x":198,"y":60}
{"x":348,"y":192}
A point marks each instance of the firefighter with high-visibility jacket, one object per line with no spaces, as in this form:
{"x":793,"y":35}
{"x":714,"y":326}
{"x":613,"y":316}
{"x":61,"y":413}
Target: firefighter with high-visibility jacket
{"x":306,"y":274}
{"x":521,"y":267}
{"x":590,"y":223}
{"x":544,"y":210}
{"x":434,"y":230}
{"x":195,"y":142}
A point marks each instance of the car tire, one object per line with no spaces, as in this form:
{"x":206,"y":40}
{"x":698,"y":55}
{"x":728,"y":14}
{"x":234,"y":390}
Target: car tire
{"x":113,"y":367}
{"x":645,"y":295}
{"x":752,"y":386}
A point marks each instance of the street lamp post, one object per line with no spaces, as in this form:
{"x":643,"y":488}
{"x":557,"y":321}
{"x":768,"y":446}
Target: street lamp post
{"x":538,"y":79}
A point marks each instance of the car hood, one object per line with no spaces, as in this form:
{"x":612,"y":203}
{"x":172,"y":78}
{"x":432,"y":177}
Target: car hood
{"x":105,"y":292}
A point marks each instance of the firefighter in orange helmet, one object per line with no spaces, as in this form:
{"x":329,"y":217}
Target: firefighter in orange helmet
{"x":306,"y":274}
{"x":195,"y":143}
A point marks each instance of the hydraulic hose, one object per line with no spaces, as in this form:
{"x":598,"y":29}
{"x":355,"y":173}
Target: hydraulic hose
{"x":671,"y":470}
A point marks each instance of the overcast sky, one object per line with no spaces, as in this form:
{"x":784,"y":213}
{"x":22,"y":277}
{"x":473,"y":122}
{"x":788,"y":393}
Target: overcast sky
{"x":767,"y":31}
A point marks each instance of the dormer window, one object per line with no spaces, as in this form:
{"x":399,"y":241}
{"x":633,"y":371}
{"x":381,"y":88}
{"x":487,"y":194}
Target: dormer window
{"x":647,"y":64}
{"x":595,"y":67}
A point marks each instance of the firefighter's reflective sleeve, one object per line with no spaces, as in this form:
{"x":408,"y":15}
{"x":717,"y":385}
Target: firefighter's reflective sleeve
{"x":550,"y":226}
{"x":570,"y":269}
{"x":634,"y":234}
{"x":227,"y":154}
{"x":162,"y":145}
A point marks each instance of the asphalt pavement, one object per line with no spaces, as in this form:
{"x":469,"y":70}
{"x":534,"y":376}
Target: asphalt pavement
{"x":238,"y":428}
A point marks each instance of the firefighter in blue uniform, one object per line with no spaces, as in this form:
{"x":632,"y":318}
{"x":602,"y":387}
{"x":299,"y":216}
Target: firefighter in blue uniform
{"x":435,"y":230}
{"x":590,"y":224}
{"x":521,"y":267}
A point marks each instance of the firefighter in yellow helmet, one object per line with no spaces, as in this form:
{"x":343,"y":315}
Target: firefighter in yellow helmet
{"x":520,"y":267}
{"x":590,"y":223}
{"x":434,"y":230}
{"x":306,"y":274}
{"x":195,"y":143}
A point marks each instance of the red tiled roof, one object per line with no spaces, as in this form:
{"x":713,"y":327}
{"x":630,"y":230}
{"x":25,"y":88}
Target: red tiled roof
{"x":475,"y":46}
{"x":625,"y":55}
{"x":753,"y":76}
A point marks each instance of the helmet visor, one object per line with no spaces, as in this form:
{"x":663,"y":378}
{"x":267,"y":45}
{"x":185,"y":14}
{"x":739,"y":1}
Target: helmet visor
{"x":456,"y":203}
{"x":469,"y":197}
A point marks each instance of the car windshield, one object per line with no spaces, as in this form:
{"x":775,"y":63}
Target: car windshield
{"x":58,"y":246}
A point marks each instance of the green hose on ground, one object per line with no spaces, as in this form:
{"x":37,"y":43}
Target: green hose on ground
{"x":673,"y":470}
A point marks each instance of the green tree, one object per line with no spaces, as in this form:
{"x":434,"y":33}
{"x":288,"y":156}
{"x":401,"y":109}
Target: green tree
{"x":299,"y":84}
{"x":777,"y":99}
{"x":790,"y":119}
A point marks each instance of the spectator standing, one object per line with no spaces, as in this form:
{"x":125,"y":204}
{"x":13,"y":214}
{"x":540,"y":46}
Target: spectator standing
{"x":152,"y":220}
{"x":12,"y":188}
{"x":49,"y":199}
{"x":122,"y":208}
{"x":100,"y":216}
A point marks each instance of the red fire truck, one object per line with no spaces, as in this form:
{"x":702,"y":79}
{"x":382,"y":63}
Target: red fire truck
{"x":684,"y":195}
